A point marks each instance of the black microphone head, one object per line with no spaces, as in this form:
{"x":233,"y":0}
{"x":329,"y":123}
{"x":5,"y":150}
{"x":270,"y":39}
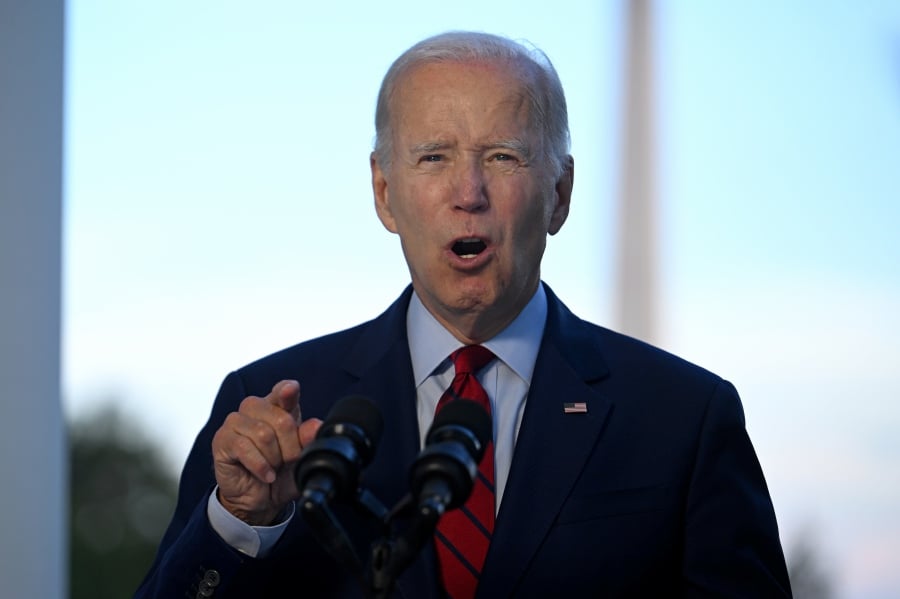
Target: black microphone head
{"x":356,"y":417}
{"x":443,"y":473}
{"x":462,"y":414}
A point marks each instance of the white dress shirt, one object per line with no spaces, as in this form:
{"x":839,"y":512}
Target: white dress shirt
{"x":505,"y":379}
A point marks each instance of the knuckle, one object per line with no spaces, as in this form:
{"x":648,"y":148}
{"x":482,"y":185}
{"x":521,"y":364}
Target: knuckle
{"x":244,"y":446}
{"x":263,"y":433}
{"x":225,"y":434}
{"x":249,"y":403}
{"x":284,"y":422}
{"x":219,"y":437}
{"x":231,"y":421}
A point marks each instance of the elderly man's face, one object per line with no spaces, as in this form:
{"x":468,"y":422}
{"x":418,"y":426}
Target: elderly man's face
{"x":470,"y":193}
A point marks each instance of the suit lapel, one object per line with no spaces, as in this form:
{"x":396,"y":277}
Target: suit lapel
{"x":551,"y":448}
{"x":381,"y":363}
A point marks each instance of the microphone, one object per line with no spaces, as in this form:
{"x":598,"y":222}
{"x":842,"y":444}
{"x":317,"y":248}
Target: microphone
{"x":345,"y":444}
{"x":443,"y":474}
{"x":441,"y":479}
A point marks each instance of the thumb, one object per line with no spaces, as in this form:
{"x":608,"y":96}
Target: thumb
{"x":308,"y":430}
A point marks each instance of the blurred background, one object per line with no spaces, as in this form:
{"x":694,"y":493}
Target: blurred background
{"x":217,"y":207}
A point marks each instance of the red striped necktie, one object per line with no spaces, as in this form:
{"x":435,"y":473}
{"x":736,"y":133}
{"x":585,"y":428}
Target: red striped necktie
{"x":464,"y":534}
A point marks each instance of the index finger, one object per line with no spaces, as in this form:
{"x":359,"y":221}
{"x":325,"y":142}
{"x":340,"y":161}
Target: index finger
{"x":286,"y":395}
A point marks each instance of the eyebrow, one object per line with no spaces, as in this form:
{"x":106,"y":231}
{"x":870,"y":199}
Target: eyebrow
{"x":515,"y":144}
{"x":427,"y":147}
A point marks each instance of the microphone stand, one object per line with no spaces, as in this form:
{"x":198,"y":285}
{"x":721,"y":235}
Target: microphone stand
{"x":330,"y":533}
{"x":391,"y":554}
{"x":390,"y":557}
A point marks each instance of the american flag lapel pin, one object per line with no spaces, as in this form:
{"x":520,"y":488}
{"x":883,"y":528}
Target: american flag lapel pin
{"x":578,"y":407}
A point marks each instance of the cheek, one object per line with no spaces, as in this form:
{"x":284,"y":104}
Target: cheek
{"x":416,"y":227}
{"x":533,"y":236}
{"x":532,"y":221}
{"x":405,"y":211}
{"x":420,"y":198}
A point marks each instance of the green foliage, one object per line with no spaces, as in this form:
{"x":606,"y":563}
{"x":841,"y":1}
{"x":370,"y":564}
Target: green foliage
{"x":122,"y":497}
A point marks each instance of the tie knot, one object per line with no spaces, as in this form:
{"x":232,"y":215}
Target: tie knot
{"x":471,"y":358}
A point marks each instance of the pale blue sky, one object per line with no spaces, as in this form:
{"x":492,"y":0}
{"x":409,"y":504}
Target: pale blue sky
{"x":218,"y":208}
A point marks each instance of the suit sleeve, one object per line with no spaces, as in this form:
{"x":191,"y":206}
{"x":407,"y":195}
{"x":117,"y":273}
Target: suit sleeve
{"x":192,"y":557}
{"x":732,"y":546}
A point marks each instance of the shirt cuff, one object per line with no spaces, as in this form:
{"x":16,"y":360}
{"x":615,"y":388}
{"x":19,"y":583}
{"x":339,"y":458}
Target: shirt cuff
{"x":254,"y":541}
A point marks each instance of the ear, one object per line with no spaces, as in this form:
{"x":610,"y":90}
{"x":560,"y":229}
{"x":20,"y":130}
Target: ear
{"x":380,"y":191}
{"x":563,"y":196}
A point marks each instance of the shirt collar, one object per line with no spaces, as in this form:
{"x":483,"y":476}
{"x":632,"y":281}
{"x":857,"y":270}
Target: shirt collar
{"x":517,"y":345}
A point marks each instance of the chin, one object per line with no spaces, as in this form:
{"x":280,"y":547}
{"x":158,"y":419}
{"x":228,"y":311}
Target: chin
{"x":470,"y":302}
{"x":464,"y":299}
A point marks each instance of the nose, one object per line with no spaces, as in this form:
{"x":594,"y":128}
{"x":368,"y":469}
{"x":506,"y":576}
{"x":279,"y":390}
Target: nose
{"x":471,"y":189}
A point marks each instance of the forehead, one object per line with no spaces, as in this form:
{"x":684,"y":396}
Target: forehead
{"x":508,"y":72}
{"x":473,"y":92}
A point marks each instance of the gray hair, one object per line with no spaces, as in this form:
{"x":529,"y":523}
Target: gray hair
{"x":544,"y":89}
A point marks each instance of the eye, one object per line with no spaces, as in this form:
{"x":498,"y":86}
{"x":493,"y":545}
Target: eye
{"x":431,"y":158}
{"x":505,"y":159}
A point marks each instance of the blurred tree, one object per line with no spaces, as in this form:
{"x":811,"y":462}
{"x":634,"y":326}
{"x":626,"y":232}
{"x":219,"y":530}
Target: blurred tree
{"x":122,"y":497}
{"x":811,"y":577}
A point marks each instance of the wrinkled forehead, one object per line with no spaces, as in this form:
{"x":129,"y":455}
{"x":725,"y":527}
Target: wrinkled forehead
{"x":513,"y":81}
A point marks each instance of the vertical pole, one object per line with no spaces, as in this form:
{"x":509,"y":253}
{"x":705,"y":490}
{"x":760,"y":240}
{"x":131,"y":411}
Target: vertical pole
{"x":637,"y":297}
{"x":33,"y":460}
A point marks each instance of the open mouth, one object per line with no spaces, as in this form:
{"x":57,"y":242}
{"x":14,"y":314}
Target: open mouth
{"x":468,"y":248}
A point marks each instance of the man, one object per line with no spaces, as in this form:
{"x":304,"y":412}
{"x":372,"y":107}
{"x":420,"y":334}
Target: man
{"x":620,"y":470}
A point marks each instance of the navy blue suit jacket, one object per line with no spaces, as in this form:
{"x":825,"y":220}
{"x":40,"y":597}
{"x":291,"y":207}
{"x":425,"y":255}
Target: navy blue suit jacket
{"x":655,"y":491}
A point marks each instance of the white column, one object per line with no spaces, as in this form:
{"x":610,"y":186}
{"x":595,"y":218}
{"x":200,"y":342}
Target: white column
{"x":638,"y":286}
{"x":33,"y":448}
